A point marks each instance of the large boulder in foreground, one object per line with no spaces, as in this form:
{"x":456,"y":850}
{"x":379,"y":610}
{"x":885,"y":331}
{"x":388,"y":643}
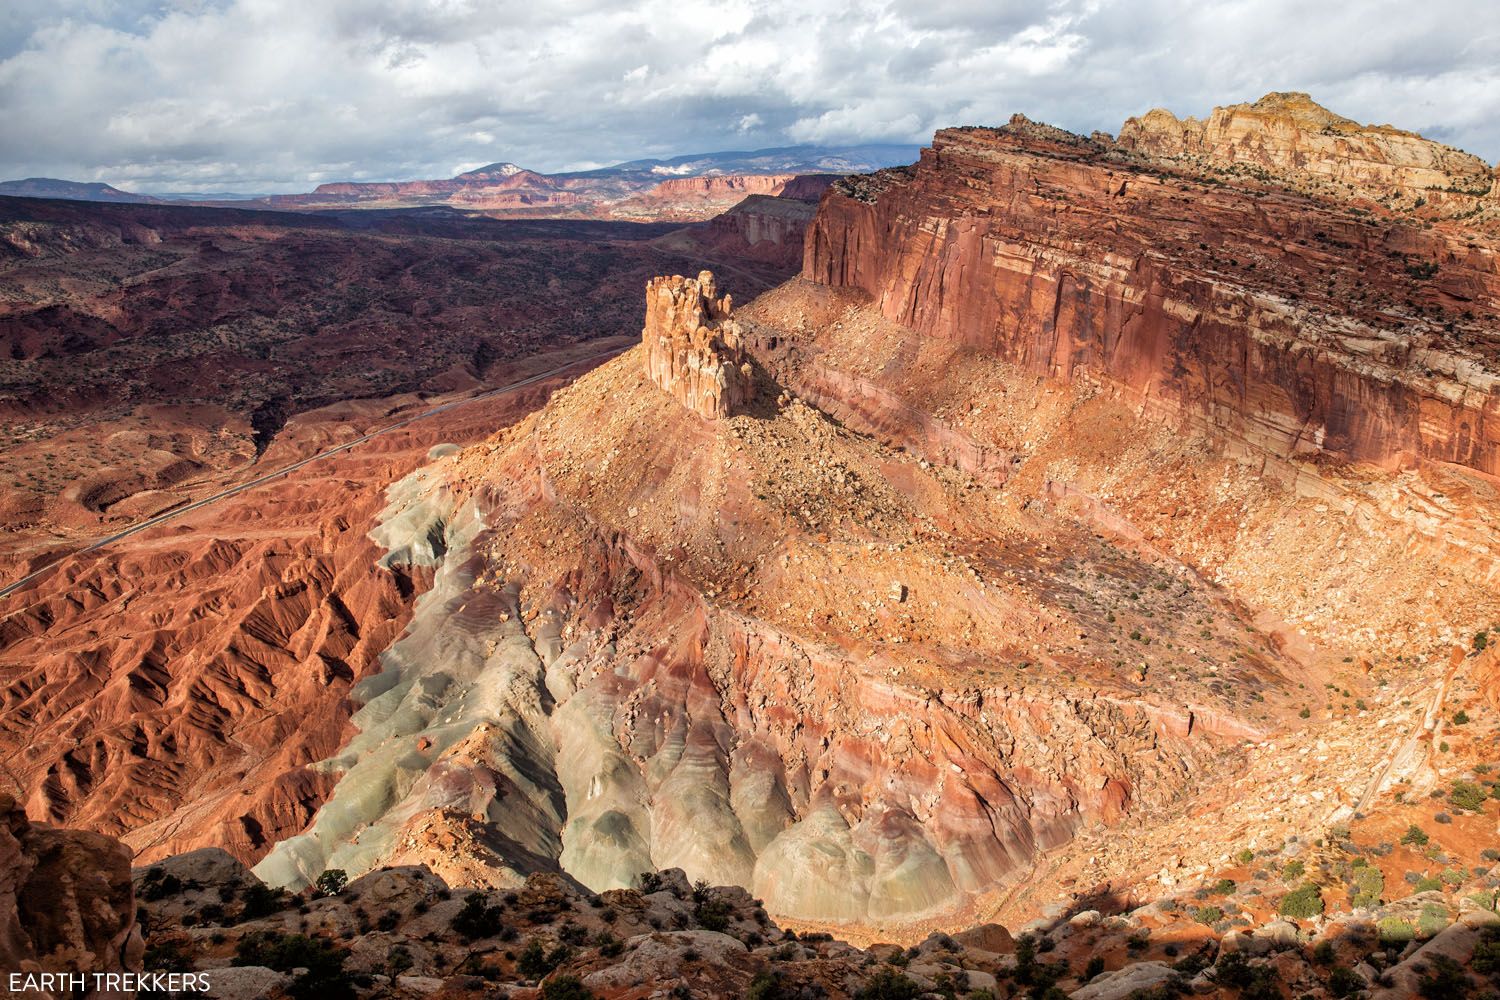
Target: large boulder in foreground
{"x":66,"y":901}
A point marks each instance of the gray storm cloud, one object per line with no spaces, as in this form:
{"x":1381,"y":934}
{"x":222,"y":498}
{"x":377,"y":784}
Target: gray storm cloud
{"x":277,"y":95}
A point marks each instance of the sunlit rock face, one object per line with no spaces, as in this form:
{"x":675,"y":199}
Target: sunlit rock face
{"x":1203,"y":267}
{"x":693,"y":348}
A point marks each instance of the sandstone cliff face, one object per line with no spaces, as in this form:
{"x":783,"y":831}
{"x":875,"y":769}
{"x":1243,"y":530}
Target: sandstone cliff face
{"x":1290,"y":136}
{"x":1290,"y":326}
{"x":720,"y":186}
{"x":66,"y":900}
{"x":761,"y":228}
{"x":692,"y":348}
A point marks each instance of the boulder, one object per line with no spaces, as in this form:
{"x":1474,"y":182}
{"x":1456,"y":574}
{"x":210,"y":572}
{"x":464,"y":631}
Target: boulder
{"x":1123,"y":982}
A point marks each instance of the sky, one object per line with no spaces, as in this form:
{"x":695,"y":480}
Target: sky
{"x":280,"y":95}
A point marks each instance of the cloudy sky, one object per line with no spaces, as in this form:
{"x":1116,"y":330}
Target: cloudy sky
{"x":278,"y":95}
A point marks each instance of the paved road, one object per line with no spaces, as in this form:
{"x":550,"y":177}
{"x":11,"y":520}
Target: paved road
{"x":177,"y":512}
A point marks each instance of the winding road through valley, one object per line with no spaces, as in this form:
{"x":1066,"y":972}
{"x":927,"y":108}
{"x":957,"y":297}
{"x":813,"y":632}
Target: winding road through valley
{"x":284,"y":470}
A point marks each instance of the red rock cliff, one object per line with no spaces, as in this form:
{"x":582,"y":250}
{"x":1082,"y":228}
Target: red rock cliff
{"x":1291,"y":324}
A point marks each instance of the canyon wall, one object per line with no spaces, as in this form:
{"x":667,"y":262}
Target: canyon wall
{"x":1293,"y":326}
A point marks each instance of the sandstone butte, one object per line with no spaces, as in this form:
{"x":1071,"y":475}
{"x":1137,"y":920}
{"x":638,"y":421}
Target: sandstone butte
{"x":1099,"y":536}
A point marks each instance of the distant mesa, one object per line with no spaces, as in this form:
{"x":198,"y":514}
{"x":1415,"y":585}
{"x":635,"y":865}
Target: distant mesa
{"x":51,"y":187}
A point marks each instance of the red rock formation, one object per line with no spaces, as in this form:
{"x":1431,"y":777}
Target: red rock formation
{"x":692,"y":347}
{"x":763,"y":228}
{"x":720,"y":186}
{"x":66,"y":900}
{"x":807,"y":187}
{"x":1300,"y":142}
{"x":1290,"y":325}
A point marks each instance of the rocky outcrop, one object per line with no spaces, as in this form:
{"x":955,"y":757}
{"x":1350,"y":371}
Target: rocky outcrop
{"x":807,"y":187}
{"x":1290,"y":137}
{"x":66,"y":901}
{"x":692,"y":348}
{"x":1289,"y":325}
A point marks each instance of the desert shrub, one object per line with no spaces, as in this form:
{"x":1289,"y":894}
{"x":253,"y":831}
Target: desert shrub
{"x":261,"y":901}
{"x":1255,"y":982}
{"x":1467,"y":795}
{"x":1344,"y":982}
{"x":565,"y":988}
{"x":1094,"y":968}
{"x":1431,"y":921}
{"x":1245,"y":856}
{"x":157,"y":884}
{"x":1302,"y":902}
{"x":331,"y":882}
{"x":1414,"y":836}
{"x":1395,"y":931}
{"x":324,"y":977}
{"x":1444,"y":979}
{"x":478,"y":918}
{"x":766,"y":986}
{"x":1188,"y":965}
{"x":1293,"y":871}
{"x":537,"y":960}
{"x":888,"y":984}
{"x":1223,"y":887}
{"x":649,"y":882}
{"x":1209,"y":915}
{"x":1369,"y":886}
{"x":1486,"y":958}
{"x":1428,"y":883}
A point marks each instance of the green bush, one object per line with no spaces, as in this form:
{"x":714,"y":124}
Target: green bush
{"x":1467,"y":795}
{"x":1344,"y":982}
{"x":1301,"y":903}
{"x":565,"y":988}
{"x":888,"y":984}
{"x":478,"y":918}
{"x":324,"y":978}
{"x":1209,"y":915}
{"x":1431,"y":921}
{"x":1444,"y":979}
{"x":331,"y":882}
{"x":1223,"y":887}
{"x":1293,"y":871}
{"x":537,"y":961}
{"x":766,"y":986}
{"x":1395,"y":931}
{"x":1486,"y":958}
{"x":1369,"y":886}
{"x":1415,"y":836}
{"x":1245,"y":856}
{"x":261,"y":901}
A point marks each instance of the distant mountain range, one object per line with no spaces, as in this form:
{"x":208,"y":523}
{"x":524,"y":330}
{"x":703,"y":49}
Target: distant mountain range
{"x":511,"y":189}
{"x":51,"y":187}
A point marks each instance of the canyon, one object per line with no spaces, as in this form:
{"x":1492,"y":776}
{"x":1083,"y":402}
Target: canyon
{"x":1097,"y":537}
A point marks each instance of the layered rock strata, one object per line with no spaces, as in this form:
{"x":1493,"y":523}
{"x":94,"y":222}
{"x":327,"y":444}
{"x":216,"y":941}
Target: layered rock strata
{"x":693,"y":348}
{"x":1294,"y":327}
